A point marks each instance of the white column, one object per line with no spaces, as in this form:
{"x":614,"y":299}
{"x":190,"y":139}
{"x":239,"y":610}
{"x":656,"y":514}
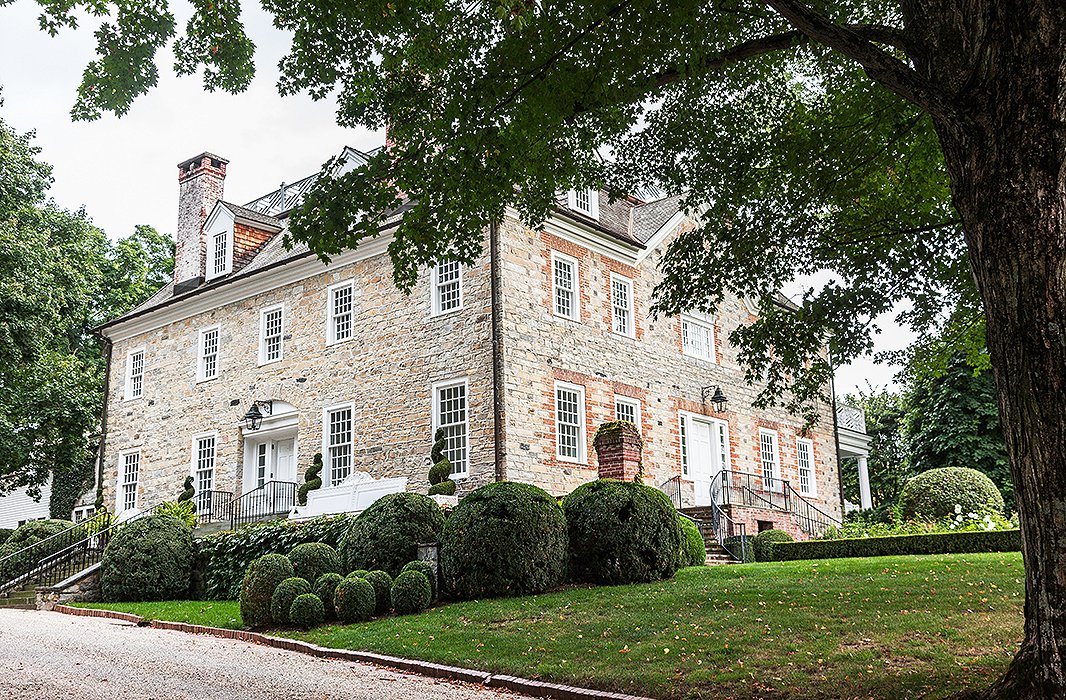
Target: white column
{"x":864,"y":485}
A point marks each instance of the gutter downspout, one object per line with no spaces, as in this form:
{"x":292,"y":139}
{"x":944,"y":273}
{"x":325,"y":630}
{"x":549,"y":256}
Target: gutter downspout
{"x":498,"y":412}
{"x":107,"y":352}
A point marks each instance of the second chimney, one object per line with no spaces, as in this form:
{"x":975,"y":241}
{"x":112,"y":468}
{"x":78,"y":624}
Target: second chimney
{"x":200,"y":182}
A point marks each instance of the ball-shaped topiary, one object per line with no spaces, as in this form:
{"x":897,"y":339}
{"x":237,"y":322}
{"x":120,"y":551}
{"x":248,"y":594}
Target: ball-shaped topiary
{"x":307,"y":611}
{"x":354,"y":600}
{"x":358,"y":573}
{"x":312,"y":559}
{"x":262,"y":577}
{"x":284,"y":594}
{"x":386,"y":535}
{"x":411,"y":593}
{"x":426,"y":568}
{"x":148,"y":559}
{"x":26,"y":536}
{"x":693,"y":547}
{"x":382,"y":583}
{"x":936,"y":493}
{"x":504,"y":539}
{"x":325,"y":587}
{"x":621,"y":532}
{"x":762,"y":545}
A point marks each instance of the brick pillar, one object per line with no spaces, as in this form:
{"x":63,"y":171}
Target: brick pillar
{"x":618,"y":448}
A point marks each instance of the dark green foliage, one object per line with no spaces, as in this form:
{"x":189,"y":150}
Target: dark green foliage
{"x":325,"y":588}
{"x":444,"y":488}
{"x":742,"y":548}
{"x":26,"y":536}
{"x":505,"y":539}
{"x":887,"y":464}
{"x":257,"y":589}
{"x":68,"y":486}
{"x":312,"y":559}
{"x":312,"y":478}
{"x":187,"y":491}
{"x":283,"y":596}
{"x":426,"y":568}
{"x":621,"y":532}
{"x":5,"y":533}
{"x":940,"y":543}
{"x":382,"y":584}
{"x":307,"y":611}
{"x":358,"y":573}
{"x":148,"y":559}
{"x":230,"y":553}
{"x":935,"y":494}
{"x":764,"y":542}
{"x":440,"y":481}
{"x":411,"y":593}
{"x":386,"y":535}
{"x":693,"y":548}
{"x":354,"y":600}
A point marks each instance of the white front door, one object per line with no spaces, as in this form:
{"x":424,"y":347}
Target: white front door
{"x":269,"y":460}
{"x":285,"y":460}
{"x":701,"y":460}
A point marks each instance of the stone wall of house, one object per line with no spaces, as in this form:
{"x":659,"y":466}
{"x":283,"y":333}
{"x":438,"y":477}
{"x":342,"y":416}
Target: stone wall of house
{"x":387,"y":370}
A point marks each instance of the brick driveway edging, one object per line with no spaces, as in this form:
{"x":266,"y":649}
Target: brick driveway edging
{"x":525,"y":686}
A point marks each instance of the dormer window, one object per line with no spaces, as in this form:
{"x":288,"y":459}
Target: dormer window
{"x":220,"y":260}
{"x":585,"y":202}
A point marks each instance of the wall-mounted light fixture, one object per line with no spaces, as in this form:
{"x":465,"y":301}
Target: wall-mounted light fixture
{"x":716,"y":396}
{"x":253,"y":419}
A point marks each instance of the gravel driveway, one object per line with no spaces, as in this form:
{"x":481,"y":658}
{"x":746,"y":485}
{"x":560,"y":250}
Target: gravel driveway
{"x":50,"y":656}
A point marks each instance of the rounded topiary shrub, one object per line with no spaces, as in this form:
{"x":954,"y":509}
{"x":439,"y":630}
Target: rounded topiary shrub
{"x":621,"y":532}
{"x":411,"y":593}
{"x":693,"y":548}
{"x":26,"y":536}
{"x":762,"y":544}
{"x":936,"y":493}
{"x":426,"y":568}
{"x":504,"y":539}
{"x":354,"y":600}
{"x":307,"y":611}
{"x":325,"y":587}
{"x":262,"y":577}
{"x":312,"y":559}
{"x":358,"y":573}
{"x":148,"y":559}
{"x":382,"y":584}
{"x":284,"y":594}
{"x":386,"y":535}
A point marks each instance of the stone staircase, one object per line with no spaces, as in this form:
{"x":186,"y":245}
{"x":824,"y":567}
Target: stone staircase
{"x":716,"y":554}
{"x":24,"y":598}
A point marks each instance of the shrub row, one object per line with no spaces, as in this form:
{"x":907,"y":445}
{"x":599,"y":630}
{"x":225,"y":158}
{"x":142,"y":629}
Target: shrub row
{"x":940,"y":543}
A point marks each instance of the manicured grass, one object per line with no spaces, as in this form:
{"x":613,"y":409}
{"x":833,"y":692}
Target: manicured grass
{"x":888,"y":627}
{"x":210,"y":613}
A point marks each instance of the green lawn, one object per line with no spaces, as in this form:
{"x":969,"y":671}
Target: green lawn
{"x":211,"y":613}
{"x":889,"y":627}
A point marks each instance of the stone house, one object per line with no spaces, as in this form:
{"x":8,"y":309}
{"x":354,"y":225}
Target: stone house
{"x":519,"y":357}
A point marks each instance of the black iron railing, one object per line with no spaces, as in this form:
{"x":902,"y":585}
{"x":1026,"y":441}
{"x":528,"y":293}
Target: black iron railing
{"x":672,"y":488}
{"x":733,"y":536}
{"x":214,"y":507}
{"x":271,"y":499}
{"x":809,"y":517}
{"x":731,"y":488}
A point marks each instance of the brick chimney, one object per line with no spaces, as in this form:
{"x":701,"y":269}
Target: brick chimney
{"x":618,"y":451}
{"x":200,"y":182}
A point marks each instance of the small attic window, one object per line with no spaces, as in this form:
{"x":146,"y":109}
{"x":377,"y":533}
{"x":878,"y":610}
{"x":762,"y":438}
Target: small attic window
{"x":586,"y":202}
{"x":220,"y":251}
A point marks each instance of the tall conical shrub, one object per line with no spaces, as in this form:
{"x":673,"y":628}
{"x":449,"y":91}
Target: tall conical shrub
{"x":187,"y":493}
{"x":440,"y":473}
{"x":312,"y":480}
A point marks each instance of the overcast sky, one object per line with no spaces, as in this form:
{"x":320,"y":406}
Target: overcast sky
{"x":123,"y":171}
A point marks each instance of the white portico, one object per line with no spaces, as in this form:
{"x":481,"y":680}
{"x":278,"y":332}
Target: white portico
{"x":854,"y":443}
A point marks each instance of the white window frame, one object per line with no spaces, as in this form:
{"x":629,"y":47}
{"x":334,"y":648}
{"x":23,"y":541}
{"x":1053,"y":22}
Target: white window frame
{"x":435,"y":289}
{"x":201,"y":355}
{"x":209,"y":272}
{"x":263,"y":338}
{"x":124,"y":484}
{"x":331,"y":315}
{"x":582,"y":456}
{"x":628,"y":401}
{"x":812,"y":485}
{"x":631,"y":331}
{"x":575,"y":289}
{"x":203,"y":504}
{"x":436,"y":389}
{"x":593,"y":210}
{"x":127,"y":389}
{"x":327,"y":465}
{"x":774,"y":482}
{"x":706,"y":324}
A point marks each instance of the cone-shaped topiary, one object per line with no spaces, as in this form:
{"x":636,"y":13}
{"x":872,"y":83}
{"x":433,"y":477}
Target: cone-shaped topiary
{"x":762,"y":545}
{"x":621,"y":532}
{"x":148,"y":559}
{"x":382,"y":583}
{"x":387,"y":534}
{"x":440,"y":473}
{"x":312,"y":559}
{"x":307,"y":611}
{"x":426,"y":568}
{"x":262,"y":577}
{"x":312,"y":478}
{"x":284,"y":594}
{"x":505,"y":539}
{"x":411,"y":593}
{"x":187,"y":492}
{"x":354,"y":600}
{"x":934,"y":494}
{"x":325,"y":587}
{"x":693,"y":548}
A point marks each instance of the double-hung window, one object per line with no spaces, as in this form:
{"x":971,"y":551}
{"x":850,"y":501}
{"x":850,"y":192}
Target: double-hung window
{"x":622,"y":305}
{"x":271,"y":328}
{"x":220,"y":262}
{"x":134,"y":375}
{"x":447,"y":287}
{"x":627,"y":409}
{"x":207,"y":354}
{"x":130,"y":463}
{"x":450,"y":415}
{"x":204,"y":470}
{"x":697,"y":337}
{"x":585,"y":201}
{"x":805,"y":467}
{"x":341,"y":311}
{"x":570,"y":422}
{"x":340,"y":434}
{"x":770,"y":460}
{"x":565,"y":297}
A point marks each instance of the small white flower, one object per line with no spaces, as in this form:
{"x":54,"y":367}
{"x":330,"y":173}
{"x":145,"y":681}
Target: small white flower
{"x":972,"y":516}
{"x":958,"y":508}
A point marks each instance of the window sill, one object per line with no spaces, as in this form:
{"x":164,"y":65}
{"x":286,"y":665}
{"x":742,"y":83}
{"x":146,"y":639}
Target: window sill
{"x":205,"y":380}
{"x":264,"y":363}
{"x":565,"y":318}
{"x":331,"y":343}
{"x":127,"y":399}
{"x":438,"y":314}
{"x":705,"y":360}
{"x":572,"y":460}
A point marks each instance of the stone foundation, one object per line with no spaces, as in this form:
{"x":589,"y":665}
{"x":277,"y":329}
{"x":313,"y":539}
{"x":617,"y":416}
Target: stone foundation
{"x":83,"y":587}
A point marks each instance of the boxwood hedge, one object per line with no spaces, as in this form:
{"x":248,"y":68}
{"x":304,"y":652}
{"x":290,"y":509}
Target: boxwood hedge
{"x":941,"y":493}
{"x":940,"y":543}
{"x":386,"y":535}
{"x":148,"y":559}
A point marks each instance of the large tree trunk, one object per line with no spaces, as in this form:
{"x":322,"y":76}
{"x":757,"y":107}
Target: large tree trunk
{"x":1006,"y":154}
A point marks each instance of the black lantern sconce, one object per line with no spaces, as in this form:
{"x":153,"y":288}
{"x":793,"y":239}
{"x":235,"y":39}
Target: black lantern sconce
{"x":253,"y":419}
{"x":716,"y":396}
